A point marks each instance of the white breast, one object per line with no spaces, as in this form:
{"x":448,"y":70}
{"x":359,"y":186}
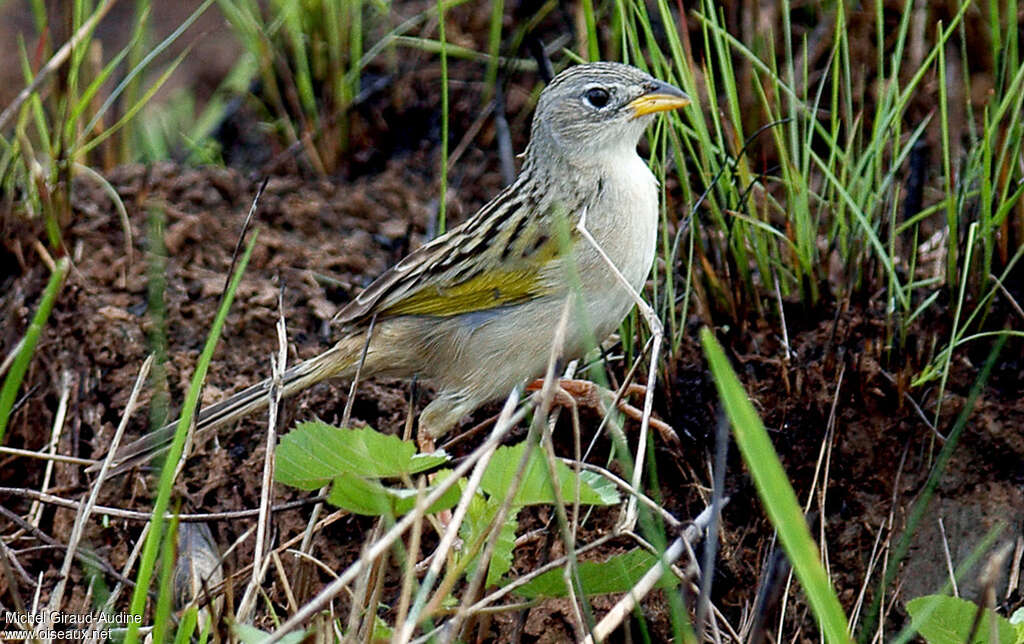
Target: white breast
{"x":624,"y":222}
{"x":624,"y":219}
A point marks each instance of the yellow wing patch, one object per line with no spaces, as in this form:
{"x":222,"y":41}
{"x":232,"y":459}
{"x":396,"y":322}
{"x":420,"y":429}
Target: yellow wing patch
{"x":480,"y":293}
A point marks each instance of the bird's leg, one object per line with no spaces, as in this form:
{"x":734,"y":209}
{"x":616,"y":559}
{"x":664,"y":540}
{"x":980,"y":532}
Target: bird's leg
{"x":425,"y":442}
{"x":436,"y":420}
{"x":439,"y":417}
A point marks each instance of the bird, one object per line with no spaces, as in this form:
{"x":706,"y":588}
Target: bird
{"x":474,"y":311}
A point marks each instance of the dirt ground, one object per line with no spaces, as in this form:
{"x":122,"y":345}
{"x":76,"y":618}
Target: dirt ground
{"x":322,"y":240}
{"x":350,"y":231}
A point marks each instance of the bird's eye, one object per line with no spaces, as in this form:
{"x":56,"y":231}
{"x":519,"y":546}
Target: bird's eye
{"x":597,"y":96}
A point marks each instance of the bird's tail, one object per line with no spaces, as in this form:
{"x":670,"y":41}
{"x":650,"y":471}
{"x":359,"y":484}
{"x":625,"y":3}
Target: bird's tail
{"x":337,"y":361}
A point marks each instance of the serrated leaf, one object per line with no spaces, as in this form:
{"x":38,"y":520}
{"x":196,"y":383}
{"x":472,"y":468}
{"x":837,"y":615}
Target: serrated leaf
{"x":948,"y":620}
{"x":252,"y":635}
{"x":315,"y":453}
{"x":369,"y":497}
{"x":616,"y":575}
{"x":476,"y":526}
{"x":536,"y":485}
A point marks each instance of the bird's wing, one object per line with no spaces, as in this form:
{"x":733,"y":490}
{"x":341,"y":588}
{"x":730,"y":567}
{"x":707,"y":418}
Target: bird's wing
{"x":496,"y":258}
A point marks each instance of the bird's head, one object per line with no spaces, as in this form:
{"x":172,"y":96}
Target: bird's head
{"x":596,"y":109}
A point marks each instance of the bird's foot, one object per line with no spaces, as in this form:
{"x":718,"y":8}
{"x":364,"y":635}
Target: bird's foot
{"x":593,"y":396}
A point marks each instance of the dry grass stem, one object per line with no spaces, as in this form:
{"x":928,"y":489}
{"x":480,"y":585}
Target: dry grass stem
{"x":302,"y":580}
{"x":1013,"y":581}
{"x":948,"y":557}
{"x":35,"y":512}
{"x":277,"y":369}
{"x":409,"y":569}
{"x":286,"y":585}
{"x":136,"y":515}
{"x":421,"y":608}
{"x":85,"y":510}
{"x":298,"y":554}
{"x":614,"y":618}
{"x":128,"y":565}
{"x":11,"y":355}
{"x":60,"y":458}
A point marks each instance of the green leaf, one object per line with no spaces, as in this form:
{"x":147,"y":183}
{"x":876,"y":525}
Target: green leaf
{"x":315,"y":453}
{"x":382,"y":632}
{"x":370,"y":498}
{"x":477,"y":526}
{"x":536,"y":485}
{"x":616,"y":575}
{"x":948,"y":620}
{"x":1017,"y":620}
{"x":359,"y":495}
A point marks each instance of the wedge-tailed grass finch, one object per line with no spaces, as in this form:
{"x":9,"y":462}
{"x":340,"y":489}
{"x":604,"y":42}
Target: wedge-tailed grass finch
{"x":474,"y":312}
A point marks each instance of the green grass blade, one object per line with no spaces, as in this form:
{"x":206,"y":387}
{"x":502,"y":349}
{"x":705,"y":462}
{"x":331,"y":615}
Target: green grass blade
{"x":133,"y":109}
{"x":779,"y":500}
{"x":97,"y":83}
{"x":166,"y":42}
{"x":296,"y":37}
{"x":187,"y":626}
{"x":154,"y":538}
{"x":493,"y":48}
{"x":593,"y":51}
{"x":28,"y":346}
{"x":162,"y":623}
